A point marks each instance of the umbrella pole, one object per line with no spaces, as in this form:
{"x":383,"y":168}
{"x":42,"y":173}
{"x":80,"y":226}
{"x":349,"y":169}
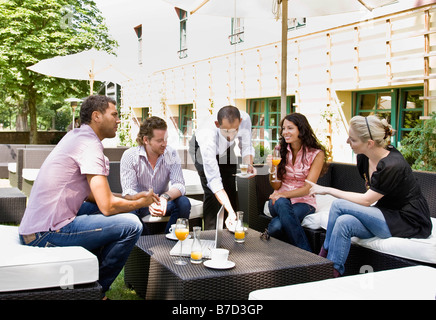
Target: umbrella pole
{"x":283,"y":101}
{"x":92,"y":77}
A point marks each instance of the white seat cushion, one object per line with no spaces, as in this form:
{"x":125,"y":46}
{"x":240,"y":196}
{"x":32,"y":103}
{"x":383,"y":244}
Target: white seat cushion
{"x":319,"y":219}
{"x":30,"y":174}
{"x":12,"y":167}
{"x":423,"y":250}
{"x":26,"y":268}
{"x":151,"y":219}
{"x":315,"y":220}
{"x":411,"y":283}
{"x":196,"y":212}
{"x":192,"y":182}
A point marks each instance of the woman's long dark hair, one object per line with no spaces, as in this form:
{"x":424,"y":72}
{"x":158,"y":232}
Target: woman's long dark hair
{"x":308,"y":140}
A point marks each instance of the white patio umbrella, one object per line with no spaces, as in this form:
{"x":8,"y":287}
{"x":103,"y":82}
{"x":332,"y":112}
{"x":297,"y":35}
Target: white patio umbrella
{"x":91,"y":65}
{"x":273,"y":9}
{"x":265,"y":8}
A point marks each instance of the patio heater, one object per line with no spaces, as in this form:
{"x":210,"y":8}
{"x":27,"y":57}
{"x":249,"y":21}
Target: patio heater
{"x":74,"y":103}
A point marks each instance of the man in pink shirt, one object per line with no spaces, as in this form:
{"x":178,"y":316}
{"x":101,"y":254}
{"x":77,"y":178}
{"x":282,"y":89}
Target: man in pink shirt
{"x":75,"y":171}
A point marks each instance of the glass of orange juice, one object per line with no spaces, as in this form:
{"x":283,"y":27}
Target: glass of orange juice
{"x":196,"y":251}
{"x":182,"y":232}
{"x":239,"y":229}
{"x":276,"y":158}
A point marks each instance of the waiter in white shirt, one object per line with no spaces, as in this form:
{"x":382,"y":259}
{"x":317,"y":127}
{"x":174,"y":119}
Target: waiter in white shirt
{"x":212,"y":150}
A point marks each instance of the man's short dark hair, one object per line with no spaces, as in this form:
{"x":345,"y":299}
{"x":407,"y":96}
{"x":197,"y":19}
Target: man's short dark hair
{"x":230,"y":113}
{"x":147,"y":127}
{"x":94,"y":103}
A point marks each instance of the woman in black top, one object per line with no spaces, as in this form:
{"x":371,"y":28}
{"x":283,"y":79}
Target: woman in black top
{"x":393,"y":204}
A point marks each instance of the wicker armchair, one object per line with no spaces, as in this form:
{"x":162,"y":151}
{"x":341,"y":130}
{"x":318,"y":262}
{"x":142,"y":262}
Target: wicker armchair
{"x":8,"y":154}
{"x":30,"y":157}
{"x":12,"y":205}
{"x":114,"y":154}
{"x":344,"y":177}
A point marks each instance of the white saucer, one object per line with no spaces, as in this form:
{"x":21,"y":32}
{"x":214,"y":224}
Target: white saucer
{"x":248,"y":175}
{"x":211,"y":264}
{"x":173,"y":237}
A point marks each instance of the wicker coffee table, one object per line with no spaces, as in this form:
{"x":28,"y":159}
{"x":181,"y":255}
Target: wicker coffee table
{"x":151,"y":271}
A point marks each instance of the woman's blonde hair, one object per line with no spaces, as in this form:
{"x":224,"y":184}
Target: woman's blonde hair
{"x":374,"y":128}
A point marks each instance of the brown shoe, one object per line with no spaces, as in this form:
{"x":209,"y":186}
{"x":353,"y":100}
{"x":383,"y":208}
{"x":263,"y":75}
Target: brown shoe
{"x":265,"y":235}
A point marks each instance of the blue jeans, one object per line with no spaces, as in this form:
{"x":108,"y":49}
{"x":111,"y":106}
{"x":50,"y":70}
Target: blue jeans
{"x":177,"y":208}
{"x":110,"y":238}
{"x":286,"y":222}
{"x":346,"y":220}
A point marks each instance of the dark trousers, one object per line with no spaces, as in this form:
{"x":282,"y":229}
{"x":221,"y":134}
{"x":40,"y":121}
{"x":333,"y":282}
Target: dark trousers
{"x":228,"y":167}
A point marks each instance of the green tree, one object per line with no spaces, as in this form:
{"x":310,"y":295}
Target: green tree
{"x":7,"y":110}
{"x":33,"y":30}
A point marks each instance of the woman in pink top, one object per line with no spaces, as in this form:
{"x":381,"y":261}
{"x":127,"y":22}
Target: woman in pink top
{"x":303,"y":157}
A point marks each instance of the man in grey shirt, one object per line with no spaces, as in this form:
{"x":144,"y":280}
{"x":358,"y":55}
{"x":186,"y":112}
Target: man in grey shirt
{"x":155,"y":165}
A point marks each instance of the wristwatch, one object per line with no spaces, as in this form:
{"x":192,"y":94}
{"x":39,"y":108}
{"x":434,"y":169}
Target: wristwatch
{"x":166,"y":196}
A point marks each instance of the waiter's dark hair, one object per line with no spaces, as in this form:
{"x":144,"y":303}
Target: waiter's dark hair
{"x":230,"y":113}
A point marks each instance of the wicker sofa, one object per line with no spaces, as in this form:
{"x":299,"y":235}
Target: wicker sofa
{"x":24,"y":170}
{"x":27,"y":161}
{"x":374,"y":254}
{"x":8,"y":153}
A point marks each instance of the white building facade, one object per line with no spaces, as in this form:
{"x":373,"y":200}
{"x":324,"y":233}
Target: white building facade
{"x":337,"y":66}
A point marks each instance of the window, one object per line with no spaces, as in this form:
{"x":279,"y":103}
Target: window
{"x":265,"y":119}
{"x":138,"y":31}
{"x":185,"y":122}
{"x":296,"y":23}
{"x":376,"y":102}
{"x":401,"y":107}
{"x":183,"y":16}
{"x":145,"y":113}
{"x":411,"y":109}
{"x":237,"y":35}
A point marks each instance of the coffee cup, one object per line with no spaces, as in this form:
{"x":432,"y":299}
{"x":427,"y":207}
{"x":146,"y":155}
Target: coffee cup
{"x":244,"y":169}
{"x":173,"y":230}
{"x":219,"y":256}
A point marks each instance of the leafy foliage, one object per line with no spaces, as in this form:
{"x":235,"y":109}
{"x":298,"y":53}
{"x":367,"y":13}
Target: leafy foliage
{"x":260,"y":153}
{"x":125,"y":128}
{"x":419,"y":147}
{"x":33,"y":30}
